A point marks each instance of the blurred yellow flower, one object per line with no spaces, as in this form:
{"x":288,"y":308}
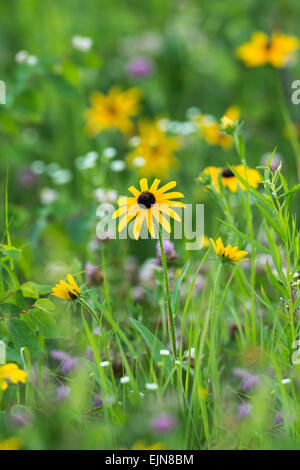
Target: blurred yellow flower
{"x":113,"y":110}
{"x":67,"y":291}
{"x":204,"y":241}
{"x":228,"y":252}
{"x":13,"y":443}
{"x":260,"y":50}
{"x":11,"y":372}
{"x":213,"y":132}
{"x":154,"y":154}
{"x":228,"y":178}
{"x":146,"y":204}
{"x":140,"y":445}
{"x":230,"y":117}
{"x":203,"y":393}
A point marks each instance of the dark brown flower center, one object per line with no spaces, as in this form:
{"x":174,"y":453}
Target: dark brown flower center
{"x":72,"y":295}
{"x":227,"y":173}
{"x":146,"y":199}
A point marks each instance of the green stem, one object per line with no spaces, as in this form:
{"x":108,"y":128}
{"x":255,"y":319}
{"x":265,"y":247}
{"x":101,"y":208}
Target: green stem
{"x":170,"y":312}
{"x":93,"y":313}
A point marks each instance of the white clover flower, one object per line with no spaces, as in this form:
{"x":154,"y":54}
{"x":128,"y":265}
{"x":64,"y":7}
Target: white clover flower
{"x":62,"y":176}
{"x":100,"y":195}
{"x":82,"y":43}
{"x":163,"y":124}
{"x":109,"y":152}
{"x":151,"y":386}
{"x":192,"y":112}
{"x":134,"y":141}
{"x":104,"y":364}
{"x":117,"y":165}
{"x":21,"y":56}
{"x":52,"y":167}
{"x":139,"y":162}
{"x":124,"y":380}
{"x":31,"y":60}
{"x":112,"y":195}
{"x":285,"y":381}
{"x":48,"y":195}
{"x":38,"y":167}
{"x":164,"y":352}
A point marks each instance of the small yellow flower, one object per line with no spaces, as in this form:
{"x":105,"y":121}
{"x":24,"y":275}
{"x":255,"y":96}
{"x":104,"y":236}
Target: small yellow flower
{"x":212,"y":132}
{"x":228,"y":178}
{"x":154,"y":154}
{"x":229,"y":253}
{"x":230,"y":117}
{"x":67,"y":291}
{"x":113,"y":110}
{"x":140,"y":445}
{"x":13,"y":443}
{"x":260,"y":50}
{"x":146,"y":204}
{"x":11,"y":372}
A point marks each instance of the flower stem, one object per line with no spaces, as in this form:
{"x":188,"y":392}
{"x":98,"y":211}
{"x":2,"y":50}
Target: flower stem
{"x":170,"y":311}
{"x":93,"y":313}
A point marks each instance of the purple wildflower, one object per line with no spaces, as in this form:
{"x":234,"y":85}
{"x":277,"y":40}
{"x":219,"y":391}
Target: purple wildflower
{"x":163,"y":423}
{"x":275,"y":162}
{"x":169,"y":250}
{"x":140,"y":67}
{"x":249,"y":380}
{"x":278,"y":417}
{"x":68,"y":363}
{"x":27,"y":178}
{"x":244,"y":409}
{"x":98,"y":400}
{"x":93,"y":274}
{"x":62,"y":392}
{"x":89,"y":353}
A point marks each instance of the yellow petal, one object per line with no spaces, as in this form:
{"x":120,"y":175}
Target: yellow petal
{"x":124,"y":221}
{"x":163,"y":221}
{"x":166,"y":187}
{"x":134,"y":191}
{"x":138,"y":225}
{"x":154,"y":185}
{"x":144,"y":184}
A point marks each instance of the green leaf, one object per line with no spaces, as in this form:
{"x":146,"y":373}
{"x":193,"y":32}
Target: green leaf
{"x":155,"y":346}
{"x":13,"y":356}
{"x":29,"y":291}
{"x":11,"y":252}
{"x":23,"y":336}
{"x":42,"y":289}
{"x":42,"y":321}
{"x":45,"y":305}
{"x":275,"y":281}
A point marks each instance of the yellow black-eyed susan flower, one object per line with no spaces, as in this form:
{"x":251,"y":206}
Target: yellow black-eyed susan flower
{"x":67,"y":290}
{"x":229,"y":253}
{"x":228,"y":178}
{"x":154,"y":154}
{"x":260,"y":50}
{"x":113,"y":110}
{"x":11,"y":372}
{"x":146,"y":204}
